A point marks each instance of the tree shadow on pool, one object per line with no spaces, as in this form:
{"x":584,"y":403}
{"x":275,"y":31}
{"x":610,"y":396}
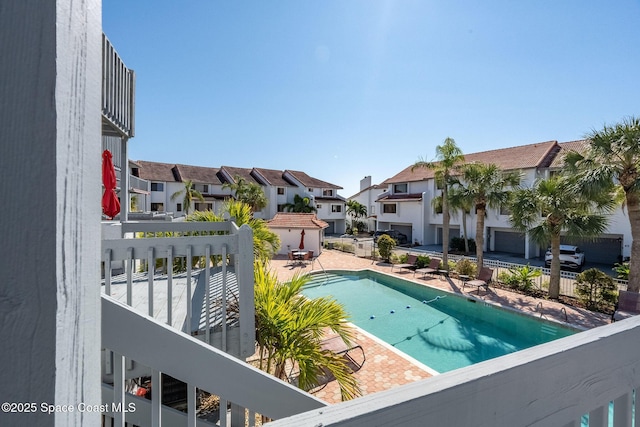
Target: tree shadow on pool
{"x":473,"y":345}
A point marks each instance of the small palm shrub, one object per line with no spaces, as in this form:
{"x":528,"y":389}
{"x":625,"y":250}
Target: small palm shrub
{"x":466,"y":268}
{"x":457,"y":244}
{"x":385,"y":246}
{"x":520,"y":278}
{"x":622,"y":270}
{"x":596,"y":289}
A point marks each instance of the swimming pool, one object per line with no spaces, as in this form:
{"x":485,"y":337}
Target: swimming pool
{"x":441,"y":330}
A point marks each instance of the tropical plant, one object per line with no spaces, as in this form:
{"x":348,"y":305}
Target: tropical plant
{"x":622,"y":270}
{"x":460,"y":244}
{"x":290,"y":329}
{"x":300,"y":204}
{"x":448,"y":160}
{"x":613,"y":156}
{"x":422,"y":261}
{"x":485,"y":185}
{"x":356,"y":210}
{"x":385,"y":246}
{"x":189,"y":194}
{"x":465,"y":267}
{"x":265,"y":242}
{"x":553,"y":207}
{"x":250,"y":193}
{"x":596,"y":289}
{"x":459,"y":202}
{"x":521,"y":278}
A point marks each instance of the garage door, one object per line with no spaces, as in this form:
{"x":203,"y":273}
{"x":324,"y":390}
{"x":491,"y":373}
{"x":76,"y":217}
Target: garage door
{"x":331,"y":228}
{"x":404,"y":229}
{"x":509,"y":242}
{"x":601,"y":250}
{"x":453,"y":232}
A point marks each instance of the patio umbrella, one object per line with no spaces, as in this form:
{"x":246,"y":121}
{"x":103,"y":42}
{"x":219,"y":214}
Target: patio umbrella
{"x":110,"y":202}
{"x":301,"y":240}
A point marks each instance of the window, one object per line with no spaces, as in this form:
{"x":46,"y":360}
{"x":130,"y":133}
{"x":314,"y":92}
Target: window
{"x":389,"y":208}
{"x":504,"y":210}
{"x":310,"y":190}
{"x":327,"y":193}
{"x":179,"y":207}
{"x":204,"y":188}
{"x":372,"y":210}
{"x":157,"y":186}
{"x":157,"y":207}
{"x":336,"y":208}
{"x":400,"y":188}
{"x":318,"y":206}
{"x":135,"y":172}
{"x":281,"y":190}
{"x":280,"y":208}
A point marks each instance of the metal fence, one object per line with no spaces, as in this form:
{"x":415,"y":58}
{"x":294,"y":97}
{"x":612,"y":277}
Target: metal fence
{"x":366,"y":248}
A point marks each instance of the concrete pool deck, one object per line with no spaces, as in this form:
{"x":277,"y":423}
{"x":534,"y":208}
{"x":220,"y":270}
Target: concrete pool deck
{"x":386,"y":368}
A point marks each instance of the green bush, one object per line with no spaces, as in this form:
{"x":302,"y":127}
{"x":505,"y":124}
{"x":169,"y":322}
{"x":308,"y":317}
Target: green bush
{"x":596,"y":289}
{"x":451,"y":265}
{"x":385,"y":246}
{"x":403,"y":258}
{"x":521,"y":278}
{"x":622,"y":270}
{"x":422,"y":261}
{"x":466,"y":267}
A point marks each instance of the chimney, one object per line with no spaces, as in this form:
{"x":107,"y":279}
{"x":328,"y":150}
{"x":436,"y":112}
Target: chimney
{"x":365,"y":182}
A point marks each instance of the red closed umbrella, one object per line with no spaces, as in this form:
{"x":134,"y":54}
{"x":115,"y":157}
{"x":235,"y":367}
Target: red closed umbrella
{"x":301,"y":240}
{"x":110,"y":202}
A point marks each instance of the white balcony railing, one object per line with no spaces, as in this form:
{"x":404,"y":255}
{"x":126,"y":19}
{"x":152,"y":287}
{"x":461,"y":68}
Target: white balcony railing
{"x":595,"y":372}
{"x":118,"y":89}
{"x":163,"y":318}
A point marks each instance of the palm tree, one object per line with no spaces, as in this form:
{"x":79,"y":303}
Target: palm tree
{"x":190,"y":193}
{"x":613,"y":155}
{"x":356,"y":210}
{"x":265,"y":242}
{"x":248,"y":192}
{"x":300,"y":204}
{"x":553,"y":207}
{"x":486,"y":185}
{"x":448,"y":160}
{"x":290,"y":328}
{"x":458,"y":202}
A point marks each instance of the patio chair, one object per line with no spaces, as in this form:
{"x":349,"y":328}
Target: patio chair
{"x":291,"y":261}
{"x":410,"y":264}
{"x":434,"y":263}
{"x":628,"y":305}
{"x":482,"y":281}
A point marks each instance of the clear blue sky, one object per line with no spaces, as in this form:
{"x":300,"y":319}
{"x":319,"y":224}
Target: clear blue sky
{"x":342,"y":89}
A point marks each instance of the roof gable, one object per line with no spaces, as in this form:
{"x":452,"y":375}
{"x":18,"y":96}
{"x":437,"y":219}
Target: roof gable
{"x":296,"y":220}
{"x":155,"y":171}
{"x":579,"y":146}
{"x":310,"y":182}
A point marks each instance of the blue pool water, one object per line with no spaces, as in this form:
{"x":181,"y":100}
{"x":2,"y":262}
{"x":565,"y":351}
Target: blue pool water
{"x":439,"y":329}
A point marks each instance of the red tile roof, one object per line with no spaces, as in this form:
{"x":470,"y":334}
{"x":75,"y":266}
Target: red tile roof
{"x":512,"y":158}
{"x":296,"y":220}
{"x":579,"y":146}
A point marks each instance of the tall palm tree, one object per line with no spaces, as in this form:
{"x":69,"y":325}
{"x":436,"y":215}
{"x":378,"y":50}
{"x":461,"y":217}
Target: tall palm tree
{"x":613,"y":155}
{"x":486,"y":185}
{"x":265,"y":242}
{"x":290,"y":328}
{"x":189,"y":193}
{"x":250,"y":193}
{"x":447,"y":162}
{"x":553,"y":207}
{"x":300,"y":204}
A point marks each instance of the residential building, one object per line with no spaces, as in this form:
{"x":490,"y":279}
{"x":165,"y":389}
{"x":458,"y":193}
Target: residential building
{"x":368,"y":196}
{"x":280,"y":188}
{"x":406,"y":206}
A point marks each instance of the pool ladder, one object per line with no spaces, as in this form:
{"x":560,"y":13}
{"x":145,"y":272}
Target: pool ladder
{"x":326,"y":276}
{"x":562,"y":310}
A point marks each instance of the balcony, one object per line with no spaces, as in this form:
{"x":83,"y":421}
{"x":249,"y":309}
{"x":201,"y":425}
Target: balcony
{"x":118,"y":89}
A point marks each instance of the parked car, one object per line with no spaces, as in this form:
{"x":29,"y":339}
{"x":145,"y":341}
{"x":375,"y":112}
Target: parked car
{"x":399,"y":237}
{"x":570,"y":256}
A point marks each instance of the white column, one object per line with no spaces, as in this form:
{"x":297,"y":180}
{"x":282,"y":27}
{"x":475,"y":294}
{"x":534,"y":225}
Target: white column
{"x":50,"y":136}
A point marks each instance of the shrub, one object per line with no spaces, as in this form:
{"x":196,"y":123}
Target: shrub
{"x":403,"y":258}
{"x":622,"y":270}
{"x":422,"y":261}
{"x":595,"y":289}
{"x":521,"y":278}
{"x":457,"y":244}
{"x":385,"y":246}
{"x":451,"y":265}
{"x":466,"y":268}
